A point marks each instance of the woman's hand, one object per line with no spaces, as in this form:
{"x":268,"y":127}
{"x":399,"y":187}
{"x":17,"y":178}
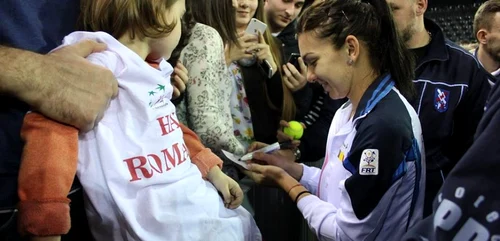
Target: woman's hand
{"x":235,"y":53}
{"x":179,"y":80}
{"x":281,"y":136}
{"x":269,"y":168}
{"x":294,"y":79}
{"x":262,"y":51}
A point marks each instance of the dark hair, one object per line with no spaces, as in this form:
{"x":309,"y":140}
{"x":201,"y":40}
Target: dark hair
{"x":484,"y":15}
{"x":137,"y":17}
{"x":372,"y":23}
{"x":218,"y":14}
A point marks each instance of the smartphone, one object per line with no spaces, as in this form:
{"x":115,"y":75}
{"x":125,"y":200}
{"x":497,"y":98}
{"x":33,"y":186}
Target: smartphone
{"x":294,"y":59}
{"x":255,"y":26}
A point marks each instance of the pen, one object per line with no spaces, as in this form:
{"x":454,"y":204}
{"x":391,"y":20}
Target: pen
{"x":268,"y":149}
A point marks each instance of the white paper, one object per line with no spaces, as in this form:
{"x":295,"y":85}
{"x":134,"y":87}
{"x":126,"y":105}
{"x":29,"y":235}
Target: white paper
{"x":235,"y":158}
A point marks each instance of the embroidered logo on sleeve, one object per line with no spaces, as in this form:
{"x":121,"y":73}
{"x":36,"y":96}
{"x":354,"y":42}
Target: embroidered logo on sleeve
{"x":368,"y":165}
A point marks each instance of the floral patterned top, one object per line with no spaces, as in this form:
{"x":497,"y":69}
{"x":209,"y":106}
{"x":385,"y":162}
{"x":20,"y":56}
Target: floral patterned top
{"x":206,"y":107}
{"x":240,"y":110}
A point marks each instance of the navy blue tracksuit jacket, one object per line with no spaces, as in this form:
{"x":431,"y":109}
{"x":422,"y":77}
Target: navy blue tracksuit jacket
{"x":452,"y":89}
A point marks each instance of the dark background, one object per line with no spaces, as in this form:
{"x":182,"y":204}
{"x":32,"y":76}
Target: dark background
{"x":433,"y":3}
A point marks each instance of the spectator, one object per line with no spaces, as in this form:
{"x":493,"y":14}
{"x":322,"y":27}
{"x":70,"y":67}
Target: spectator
{"x":371,"y":186}
{"x":153,"y":126}
{"x":451,"y":91}
{"x":487,"y":32}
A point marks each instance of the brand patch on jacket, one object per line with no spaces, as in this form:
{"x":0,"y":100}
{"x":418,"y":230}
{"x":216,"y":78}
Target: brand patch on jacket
{"x":368,"y":165}
{"x":441,"y":99}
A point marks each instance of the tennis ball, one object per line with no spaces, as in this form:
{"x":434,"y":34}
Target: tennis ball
{"x":295,"y":130}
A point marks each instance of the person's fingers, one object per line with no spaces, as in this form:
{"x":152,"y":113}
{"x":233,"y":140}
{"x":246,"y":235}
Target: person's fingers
{"x":286,"y":71}
{"x":295,"y":143}
{"x":290,"y":76}
{"x":257,"y":48}
{"x":281,"y":136}
{"x":266,"y":159}
{"x":226,"y":195}
{"x":261,"y":38}
{"x":302,"y":65}
{"x":248,"y":37}
{"x":284,"y":123}
{"x":256,"y":145}
{"x":295,"y":73}
{"x":287,"y":83}
{"x":237,"y":196}
{"x":179,"y":83}
{"x":256,"y":168}
{"x":114,"y":88}
{"x":176,"y":93}
{"x":181,"y":67}
{"x":85,"y":47}
{"x":183,"y":77}
{"x":261,"y":55}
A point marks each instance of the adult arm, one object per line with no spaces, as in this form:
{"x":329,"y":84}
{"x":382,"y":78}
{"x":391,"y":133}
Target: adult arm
{"x":62,"y":85}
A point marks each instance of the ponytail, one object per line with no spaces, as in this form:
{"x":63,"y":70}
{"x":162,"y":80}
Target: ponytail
{"x":396,"y":58}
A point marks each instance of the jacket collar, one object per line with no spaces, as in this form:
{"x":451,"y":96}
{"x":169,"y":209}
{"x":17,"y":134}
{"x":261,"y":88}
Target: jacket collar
{"x":437,"y":47}
{"x":289,"y":30}
{"x":372,"y":96}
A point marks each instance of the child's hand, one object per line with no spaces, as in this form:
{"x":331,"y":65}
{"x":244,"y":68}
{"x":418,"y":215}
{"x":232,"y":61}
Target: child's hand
{"x":48,"y":238}
{"x":179,"y":79}
{"x":231,"y":191}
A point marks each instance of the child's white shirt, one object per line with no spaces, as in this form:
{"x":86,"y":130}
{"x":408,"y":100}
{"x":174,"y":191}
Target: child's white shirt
{"x":138,"y":178}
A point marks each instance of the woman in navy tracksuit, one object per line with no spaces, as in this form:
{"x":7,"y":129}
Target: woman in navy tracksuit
{"x":372,"y":183}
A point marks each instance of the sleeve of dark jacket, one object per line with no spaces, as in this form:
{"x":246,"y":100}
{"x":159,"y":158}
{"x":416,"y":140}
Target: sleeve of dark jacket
{"x":467,"y":205}
{"x":468,"y":114}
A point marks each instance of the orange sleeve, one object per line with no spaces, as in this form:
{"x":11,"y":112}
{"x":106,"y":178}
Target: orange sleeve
{"x":201,"y":156}
{"x":48,"y":167}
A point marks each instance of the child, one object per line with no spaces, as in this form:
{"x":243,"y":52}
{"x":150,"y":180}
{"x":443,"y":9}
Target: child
{"x":136,"y":170}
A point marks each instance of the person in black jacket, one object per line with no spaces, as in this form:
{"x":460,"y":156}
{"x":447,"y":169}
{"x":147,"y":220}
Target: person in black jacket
{"x":451,"y":91}
{"x":314,"y":108}
{"x":468,"y":203}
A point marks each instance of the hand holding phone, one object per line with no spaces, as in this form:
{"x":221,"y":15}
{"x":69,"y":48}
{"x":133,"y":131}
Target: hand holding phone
{"x":255,"y":27}
{"x":295,"y":78}
{"x":294,"y":60}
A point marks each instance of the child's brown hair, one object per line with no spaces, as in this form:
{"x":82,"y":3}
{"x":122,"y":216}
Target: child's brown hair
{"x":139,"y":18}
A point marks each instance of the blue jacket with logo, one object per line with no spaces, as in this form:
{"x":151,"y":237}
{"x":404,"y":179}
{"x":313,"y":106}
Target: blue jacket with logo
{"x":468,"y":204}
{"x":452,"y":89}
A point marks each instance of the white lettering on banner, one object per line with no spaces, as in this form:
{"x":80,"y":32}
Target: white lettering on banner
{"x":448,"y":214}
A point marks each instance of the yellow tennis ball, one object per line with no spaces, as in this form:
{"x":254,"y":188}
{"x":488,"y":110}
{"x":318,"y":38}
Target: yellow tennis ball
{"x":295,"y":130}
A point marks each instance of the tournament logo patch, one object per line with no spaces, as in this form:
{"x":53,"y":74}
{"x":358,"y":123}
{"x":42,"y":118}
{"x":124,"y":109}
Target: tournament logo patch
{"x":368,"y":165}
{"x":441,"y":99}
{"x":158,"y":97}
